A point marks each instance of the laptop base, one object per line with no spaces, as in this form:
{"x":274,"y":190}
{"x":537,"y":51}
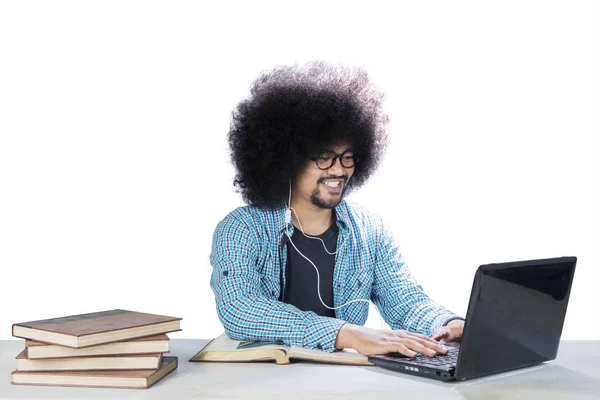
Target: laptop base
{"x":416,"y":370}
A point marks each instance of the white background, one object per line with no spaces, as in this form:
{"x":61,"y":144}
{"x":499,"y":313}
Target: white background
{"x":113,"y":159}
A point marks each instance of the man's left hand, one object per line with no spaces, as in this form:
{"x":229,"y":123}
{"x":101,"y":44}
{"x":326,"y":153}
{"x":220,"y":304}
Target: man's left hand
{"x":451,"y":332}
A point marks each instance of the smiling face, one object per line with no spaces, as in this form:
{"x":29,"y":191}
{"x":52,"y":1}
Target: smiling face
{"x":324,"y":188}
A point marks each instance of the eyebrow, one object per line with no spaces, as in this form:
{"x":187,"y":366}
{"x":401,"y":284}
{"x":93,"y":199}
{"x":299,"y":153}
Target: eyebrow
{"x":332,"y":151}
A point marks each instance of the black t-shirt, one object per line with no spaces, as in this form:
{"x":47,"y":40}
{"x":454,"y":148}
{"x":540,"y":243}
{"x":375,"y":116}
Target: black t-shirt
{"x":301,"y":277}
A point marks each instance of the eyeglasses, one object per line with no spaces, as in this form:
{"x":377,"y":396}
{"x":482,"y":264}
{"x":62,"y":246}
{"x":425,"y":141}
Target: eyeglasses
{"x":326,"y":159}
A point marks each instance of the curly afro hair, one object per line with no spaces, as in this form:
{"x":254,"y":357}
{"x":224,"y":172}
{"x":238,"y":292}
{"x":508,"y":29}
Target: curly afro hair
{"x":294,"y":111}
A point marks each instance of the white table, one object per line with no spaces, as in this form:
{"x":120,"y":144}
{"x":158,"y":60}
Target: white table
{"x":575,"y":374}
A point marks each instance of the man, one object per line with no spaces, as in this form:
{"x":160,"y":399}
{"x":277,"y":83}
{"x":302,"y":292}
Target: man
{"x":300,"y":264}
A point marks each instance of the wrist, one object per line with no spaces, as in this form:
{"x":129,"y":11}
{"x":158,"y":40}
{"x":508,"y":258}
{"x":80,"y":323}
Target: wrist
{"x":345,"y":337}
{"x":455,"y":322}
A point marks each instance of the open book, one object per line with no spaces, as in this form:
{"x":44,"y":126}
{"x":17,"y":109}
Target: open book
{"x":223,"y":349}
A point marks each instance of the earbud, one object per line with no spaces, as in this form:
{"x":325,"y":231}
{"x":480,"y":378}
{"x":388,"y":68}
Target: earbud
{"x":288,"y":217}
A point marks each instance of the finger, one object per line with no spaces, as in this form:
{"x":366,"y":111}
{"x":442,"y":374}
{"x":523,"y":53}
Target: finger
{"x":426,"y":340}
{"x":439,"y":334}
{"x":451,"y":334}
{"x":433,"y":345}
{"x":402,"y":349}
{"x":451,"y":337}
{"x":418,"y":347}
{"x":413,"y":335}
{"x":436,"y":346}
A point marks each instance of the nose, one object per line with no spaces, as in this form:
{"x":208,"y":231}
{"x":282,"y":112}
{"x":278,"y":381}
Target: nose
{"x":336,"y":169}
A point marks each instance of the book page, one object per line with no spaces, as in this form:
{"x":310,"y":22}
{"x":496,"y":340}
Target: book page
{"x":338,"y":357}
{"x":245,"y":345}
{"x":225,"y":349}
{"x":225,"y":344}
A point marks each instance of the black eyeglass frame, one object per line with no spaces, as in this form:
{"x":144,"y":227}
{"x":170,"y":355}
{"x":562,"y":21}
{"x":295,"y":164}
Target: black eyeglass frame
{"x":334,"y":159}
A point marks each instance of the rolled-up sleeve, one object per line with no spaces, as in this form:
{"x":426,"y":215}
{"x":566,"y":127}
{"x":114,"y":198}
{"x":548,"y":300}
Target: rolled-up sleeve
{"x":399,"y":298}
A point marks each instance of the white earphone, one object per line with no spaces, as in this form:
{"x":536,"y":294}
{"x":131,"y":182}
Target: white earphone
{"x":288,"y":219}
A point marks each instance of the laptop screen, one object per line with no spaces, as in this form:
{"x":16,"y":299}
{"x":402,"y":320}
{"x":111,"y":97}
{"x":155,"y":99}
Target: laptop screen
{"x":515,"y":315}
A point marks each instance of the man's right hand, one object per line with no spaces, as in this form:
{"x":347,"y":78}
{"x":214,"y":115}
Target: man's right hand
{"x":370,"y":342}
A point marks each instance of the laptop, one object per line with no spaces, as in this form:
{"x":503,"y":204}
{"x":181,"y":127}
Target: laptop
{"x":514,"y":320}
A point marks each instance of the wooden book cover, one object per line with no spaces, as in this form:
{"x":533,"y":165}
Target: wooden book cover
{"x":132,"y":361}
{"x":224,"y":349}
{"x":146,"y":345}
{"x":96,"y":328}
{"x":133,"y":379}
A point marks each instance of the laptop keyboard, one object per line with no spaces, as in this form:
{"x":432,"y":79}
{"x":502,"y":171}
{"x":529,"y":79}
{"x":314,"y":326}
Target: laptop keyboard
{"x":440,"y":361}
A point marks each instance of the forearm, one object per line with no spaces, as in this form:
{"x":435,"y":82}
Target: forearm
{"x":261,"y":318}
{"x":414,"y":311}
{"x":246,"y":307}
{"x":426,"y":317}
{"x":401,"y":299}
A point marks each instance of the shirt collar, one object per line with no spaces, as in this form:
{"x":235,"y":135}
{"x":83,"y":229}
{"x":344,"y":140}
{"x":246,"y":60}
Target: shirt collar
{"x":342,"y":215}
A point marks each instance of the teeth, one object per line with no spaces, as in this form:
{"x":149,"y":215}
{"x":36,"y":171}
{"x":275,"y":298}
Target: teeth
{"x":332,"y":184}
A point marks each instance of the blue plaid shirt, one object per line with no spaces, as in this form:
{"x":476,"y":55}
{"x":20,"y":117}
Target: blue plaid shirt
{"x":247,"y":266}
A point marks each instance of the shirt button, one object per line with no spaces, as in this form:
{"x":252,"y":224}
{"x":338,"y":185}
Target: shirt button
{"x":225,"y":273}
{"x":359,"y":283}
{"x":319,"y":347}
{"x":272,"y":293}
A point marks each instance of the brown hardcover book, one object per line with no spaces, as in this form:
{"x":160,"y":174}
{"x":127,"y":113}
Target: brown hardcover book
{"x":223,"y":349}
{"x":96,"y":328}
{"x":134,"y":379}
{"x":146,"y":345}
{"x":134,"y":361}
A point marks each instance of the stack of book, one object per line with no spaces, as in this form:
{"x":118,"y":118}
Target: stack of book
{"x":116,"y":348}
